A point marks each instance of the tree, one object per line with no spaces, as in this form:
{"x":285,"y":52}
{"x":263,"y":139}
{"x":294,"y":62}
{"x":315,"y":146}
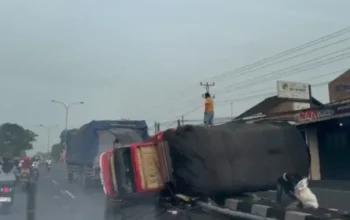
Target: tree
{"x":14,"y":139}
{"x":56,"y":151}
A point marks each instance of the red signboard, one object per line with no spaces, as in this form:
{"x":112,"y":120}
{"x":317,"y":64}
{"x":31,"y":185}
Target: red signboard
{"x":308,"y":115}
{"x":315,"y":114}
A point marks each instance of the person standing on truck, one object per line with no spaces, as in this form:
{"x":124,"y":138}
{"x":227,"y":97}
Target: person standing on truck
{"x":208,"y":110}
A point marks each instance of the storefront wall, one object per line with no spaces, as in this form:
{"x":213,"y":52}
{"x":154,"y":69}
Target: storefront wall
{"x":334,"y":148}
{"x":339,"y":89}
{"x":312,"y":141}
{"x":329,"y":144}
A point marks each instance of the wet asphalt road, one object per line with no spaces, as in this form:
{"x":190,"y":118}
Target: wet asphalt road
{"x":57,"y":200}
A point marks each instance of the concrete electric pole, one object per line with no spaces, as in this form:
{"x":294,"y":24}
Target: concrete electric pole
{"x":207,"y":88}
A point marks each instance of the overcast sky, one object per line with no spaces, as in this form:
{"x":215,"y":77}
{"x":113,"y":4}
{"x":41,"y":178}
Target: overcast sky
{"x":144,"y":59}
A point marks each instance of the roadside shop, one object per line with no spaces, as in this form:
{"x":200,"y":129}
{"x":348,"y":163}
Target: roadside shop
{"x":328,"y":136}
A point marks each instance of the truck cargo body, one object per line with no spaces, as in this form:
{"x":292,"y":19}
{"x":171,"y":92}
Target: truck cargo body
{"x":94,"y":138}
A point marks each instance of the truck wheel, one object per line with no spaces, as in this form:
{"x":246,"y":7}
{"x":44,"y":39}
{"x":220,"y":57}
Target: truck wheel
{"x":110,"y":206}
{"x":70,"y":178}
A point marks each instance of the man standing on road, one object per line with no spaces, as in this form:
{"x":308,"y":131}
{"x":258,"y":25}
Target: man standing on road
{"x":208,"y":110}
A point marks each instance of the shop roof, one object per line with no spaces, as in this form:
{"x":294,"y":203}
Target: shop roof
{"x":268,"y":103}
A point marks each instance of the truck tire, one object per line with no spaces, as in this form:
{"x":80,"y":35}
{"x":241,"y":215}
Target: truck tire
{"x":111,"y":206}
{"x":70,"y":178}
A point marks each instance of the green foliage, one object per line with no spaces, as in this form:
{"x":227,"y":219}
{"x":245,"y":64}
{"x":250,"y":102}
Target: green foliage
{"x":15,"y":139}
{"x":56,"y":151}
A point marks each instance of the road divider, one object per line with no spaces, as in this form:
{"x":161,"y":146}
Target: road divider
{"x":272,"y":210}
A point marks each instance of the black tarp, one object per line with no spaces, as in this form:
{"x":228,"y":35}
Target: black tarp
{"x":235,"y":158}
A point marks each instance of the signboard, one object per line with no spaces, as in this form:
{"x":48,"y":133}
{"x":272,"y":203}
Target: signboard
{"x":311,"y":115}
{"x":293,"y":90}
{"x":342,"y":88}
{"x":300,"y":106}
{"x":315,"y":114}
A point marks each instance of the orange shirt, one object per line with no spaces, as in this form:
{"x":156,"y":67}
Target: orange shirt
{"x":209,"y":105}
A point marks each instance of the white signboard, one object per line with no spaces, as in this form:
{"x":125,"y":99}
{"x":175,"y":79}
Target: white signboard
{"x":300,"y":105}
{"x":293,"y":90}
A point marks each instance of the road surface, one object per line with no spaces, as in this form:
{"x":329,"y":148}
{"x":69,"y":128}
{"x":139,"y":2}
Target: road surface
{"x":57,"y":200}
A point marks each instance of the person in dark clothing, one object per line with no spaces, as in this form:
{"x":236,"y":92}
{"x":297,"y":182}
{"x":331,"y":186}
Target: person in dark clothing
{"x":286,"y":184}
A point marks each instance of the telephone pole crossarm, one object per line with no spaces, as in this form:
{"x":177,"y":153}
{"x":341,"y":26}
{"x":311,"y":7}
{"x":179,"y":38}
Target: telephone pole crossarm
{"x":207,"y":87}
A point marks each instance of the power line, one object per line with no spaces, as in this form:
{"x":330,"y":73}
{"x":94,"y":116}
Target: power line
{"x":292,"y":69}
{"x":274,"y":57}
{"x":285,"y":72}
{"x":287,"y":52}
{"x":296,"y":68}
{"x":248,"y":97}
{"x":307,"y":79}
{"x":295,"y":56}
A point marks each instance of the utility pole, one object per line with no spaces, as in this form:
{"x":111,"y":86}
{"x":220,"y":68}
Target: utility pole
{"x":207,"y":86}
{"x":183,"y":120}
{"x":48,"y":129}
{"x":155,"y":127}
{"x":66,"y":107}
{"x":231,"y":110}
{"x":158,"y":127}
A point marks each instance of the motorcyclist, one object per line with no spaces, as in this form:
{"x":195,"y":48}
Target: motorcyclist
{"x":48,"y":163}
{"x":26,"y":166}
{"x":35,"y":167}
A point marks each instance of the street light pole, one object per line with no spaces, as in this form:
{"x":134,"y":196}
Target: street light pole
{"x":66,"y":107}
{"x":48,"y":128}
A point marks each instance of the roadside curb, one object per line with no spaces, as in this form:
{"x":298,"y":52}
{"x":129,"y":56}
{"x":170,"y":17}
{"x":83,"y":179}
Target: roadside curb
{"x":272,"y":212}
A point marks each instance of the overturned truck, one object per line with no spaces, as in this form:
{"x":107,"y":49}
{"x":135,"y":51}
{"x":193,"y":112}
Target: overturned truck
{"x":85,"y":145}
{"x":216,"y":162}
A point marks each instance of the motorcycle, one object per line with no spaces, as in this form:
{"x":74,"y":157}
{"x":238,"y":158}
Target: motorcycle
{"x":35,"y":172}
{"x":24,"y":181}
{"x":6,"y":197}
{"x":48,"y":167}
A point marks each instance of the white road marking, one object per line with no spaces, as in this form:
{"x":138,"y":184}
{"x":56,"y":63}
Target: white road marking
{"x":54,"y":182}
{"x":273,"y":191}
{"x":70,"y":194}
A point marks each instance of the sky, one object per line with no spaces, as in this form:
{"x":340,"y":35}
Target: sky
{"x":140,"y":59}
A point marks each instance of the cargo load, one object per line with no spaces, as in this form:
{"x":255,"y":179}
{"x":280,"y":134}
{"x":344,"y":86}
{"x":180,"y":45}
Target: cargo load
{"x":234,"y":158}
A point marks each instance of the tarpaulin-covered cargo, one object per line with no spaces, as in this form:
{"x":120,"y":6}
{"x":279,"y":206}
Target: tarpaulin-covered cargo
{"x":97,"y":137}
{"x":73,"y":151}
{"x":234,"y":158}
